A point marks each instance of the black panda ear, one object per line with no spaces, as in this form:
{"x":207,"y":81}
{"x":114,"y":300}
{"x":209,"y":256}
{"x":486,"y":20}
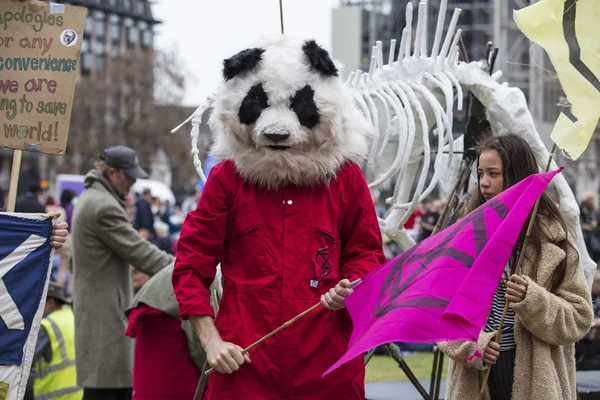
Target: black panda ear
{"x":245,"y":60}
{"x":319,"y":58}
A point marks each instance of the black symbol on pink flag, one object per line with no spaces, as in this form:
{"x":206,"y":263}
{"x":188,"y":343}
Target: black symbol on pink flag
{"x":425,"y":258}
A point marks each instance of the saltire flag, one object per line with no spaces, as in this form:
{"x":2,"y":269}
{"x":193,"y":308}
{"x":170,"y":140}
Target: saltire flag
{"x":25,"y":256}
{"x":441,"y":289}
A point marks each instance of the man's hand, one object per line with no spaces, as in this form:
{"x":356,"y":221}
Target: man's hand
{"x":334,"y":299}
{"x":225,"y":357}
{"x":516,"y":289}
{"x":492,"y":351}
{"x":59,"y":232}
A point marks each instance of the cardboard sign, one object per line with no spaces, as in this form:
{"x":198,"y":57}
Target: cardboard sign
{"x":40,"y":45}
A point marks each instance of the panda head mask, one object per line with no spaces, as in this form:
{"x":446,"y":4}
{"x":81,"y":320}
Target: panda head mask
{"x":283,"y":115}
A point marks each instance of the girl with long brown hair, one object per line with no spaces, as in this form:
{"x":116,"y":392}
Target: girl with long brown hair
{"x":549,"y":301}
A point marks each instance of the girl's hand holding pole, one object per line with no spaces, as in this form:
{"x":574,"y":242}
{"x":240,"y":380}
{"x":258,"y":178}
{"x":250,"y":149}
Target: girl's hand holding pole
{"x":492,"y":351}
{"x":516,"y":289}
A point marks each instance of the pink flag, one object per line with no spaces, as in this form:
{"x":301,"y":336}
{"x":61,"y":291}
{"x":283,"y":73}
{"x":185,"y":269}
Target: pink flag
{"x":441,"y":289}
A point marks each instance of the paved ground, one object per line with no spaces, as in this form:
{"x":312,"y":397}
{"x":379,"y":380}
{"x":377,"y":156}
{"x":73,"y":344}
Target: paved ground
{"x":588,"y":385}
{"x":398,"y":390}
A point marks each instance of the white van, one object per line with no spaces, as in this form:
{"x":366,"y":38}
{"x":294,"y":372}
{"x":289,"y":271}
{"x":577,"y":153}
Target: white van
{"x":76,"y":183}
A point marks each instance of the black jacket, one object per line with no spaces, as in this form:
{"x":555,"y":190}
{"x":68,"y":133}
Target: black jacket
{"x":29,"y":204}
{"x":143,"y":216}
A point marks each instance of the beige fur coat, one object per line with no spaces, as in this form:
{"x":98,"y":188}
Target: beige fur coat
{"x":546,"y":329}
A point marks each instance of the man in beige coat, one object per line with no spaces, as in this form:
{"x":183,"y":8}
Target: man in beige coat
{"x":104,"y":245}
{"x":546,"y":328}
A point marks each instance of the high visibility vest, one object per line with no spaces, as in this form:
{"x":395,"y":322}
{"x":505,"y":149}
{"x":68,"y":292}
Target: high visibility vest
{"x":57,"y":379}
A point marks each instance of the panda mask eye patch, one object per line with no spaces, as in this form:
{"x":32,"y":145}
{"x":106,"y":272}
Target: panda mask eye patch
{"x":303,"y":104}
{"x":255,"y":101}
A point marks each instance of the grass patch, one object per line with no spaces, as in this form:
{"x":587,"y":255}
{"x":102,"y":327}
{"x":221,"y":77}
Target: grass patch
{"x":384,"y":368}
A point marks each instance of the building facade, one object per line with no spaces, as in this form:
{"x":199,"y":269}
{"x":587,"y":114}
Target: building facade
{"x":113,"y":29}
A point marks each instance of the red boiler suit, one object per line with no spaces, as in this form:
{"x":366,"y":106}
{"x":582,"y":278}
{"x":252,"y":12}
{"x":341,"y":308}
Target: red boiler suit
{"x":279,"y":252}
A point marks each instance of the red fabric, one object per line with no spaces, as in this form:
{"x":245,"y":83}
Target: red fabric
{"x":410,"y":222}
{"x":271,"y":244}
{"x":162,"y":368}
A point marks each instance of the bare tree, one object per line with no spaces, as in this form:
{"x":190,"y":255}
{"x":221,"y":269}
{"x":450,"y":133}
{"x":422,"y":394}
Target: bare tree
{"x":134,"y":102}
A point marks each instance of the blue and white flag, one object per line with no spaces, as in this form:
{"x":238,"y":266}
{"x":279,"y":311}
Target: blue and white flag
{"x":25,"y":256}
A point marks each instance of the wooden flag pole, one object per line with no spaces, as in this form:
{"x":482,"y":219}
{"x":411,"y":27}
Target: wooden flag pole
{"x":281,"y":15}
{"x":14,"y":180}
{"x":515,"y":270}
{"x":285,"y":325}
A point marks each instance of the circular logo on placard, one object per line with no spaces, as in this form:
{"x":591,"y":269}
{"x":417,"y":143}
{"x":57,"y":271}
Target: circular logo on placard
{"x":68,"y":37}
{"x":22,"y":132}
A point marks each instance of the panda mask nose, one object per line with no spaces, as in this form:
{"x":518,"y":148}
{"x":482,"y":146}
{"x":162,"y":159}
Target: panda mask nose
{"x":276,"y":133}
{"x":277,"y":137}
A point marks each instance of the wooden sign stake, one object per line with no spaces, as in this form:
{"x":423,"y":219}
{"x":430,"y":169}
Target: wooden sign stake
{"x":14,"y":180}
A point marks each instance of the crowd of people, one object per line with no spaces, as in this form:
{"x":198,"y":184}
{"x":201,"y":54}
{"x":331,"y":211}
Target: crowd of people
{"x":588,"y":349}
{"x":419,"y":225}
{"x":589,"y":217}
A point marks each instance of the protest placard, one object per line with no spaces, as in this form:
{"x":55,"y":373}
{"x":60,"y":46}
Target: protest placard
{"x":40,"y":45}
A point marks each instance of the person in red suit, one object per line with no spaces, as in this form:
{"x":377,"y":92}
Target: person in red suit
{"x":168,"y":357}
{"x":288,"y":215}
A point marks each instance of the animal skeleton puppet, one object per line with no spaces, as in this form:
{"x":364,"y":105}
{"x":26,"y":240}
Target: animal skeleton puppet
{"x":289,"y":216}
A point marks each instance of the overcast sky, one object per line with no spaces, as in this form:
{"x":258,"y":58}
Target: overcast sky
{"x":207,"y":31}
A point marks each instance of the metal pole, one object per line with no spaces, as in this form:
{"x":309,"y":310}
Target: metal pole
{"x":397,"y":356}
{"x":438,"y":381}
{"x":369,"y":355}
{"x":281,"y":15}
{"x":373,"y":22}
{"x":499,"y":35}
{"x":436,"y":353}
